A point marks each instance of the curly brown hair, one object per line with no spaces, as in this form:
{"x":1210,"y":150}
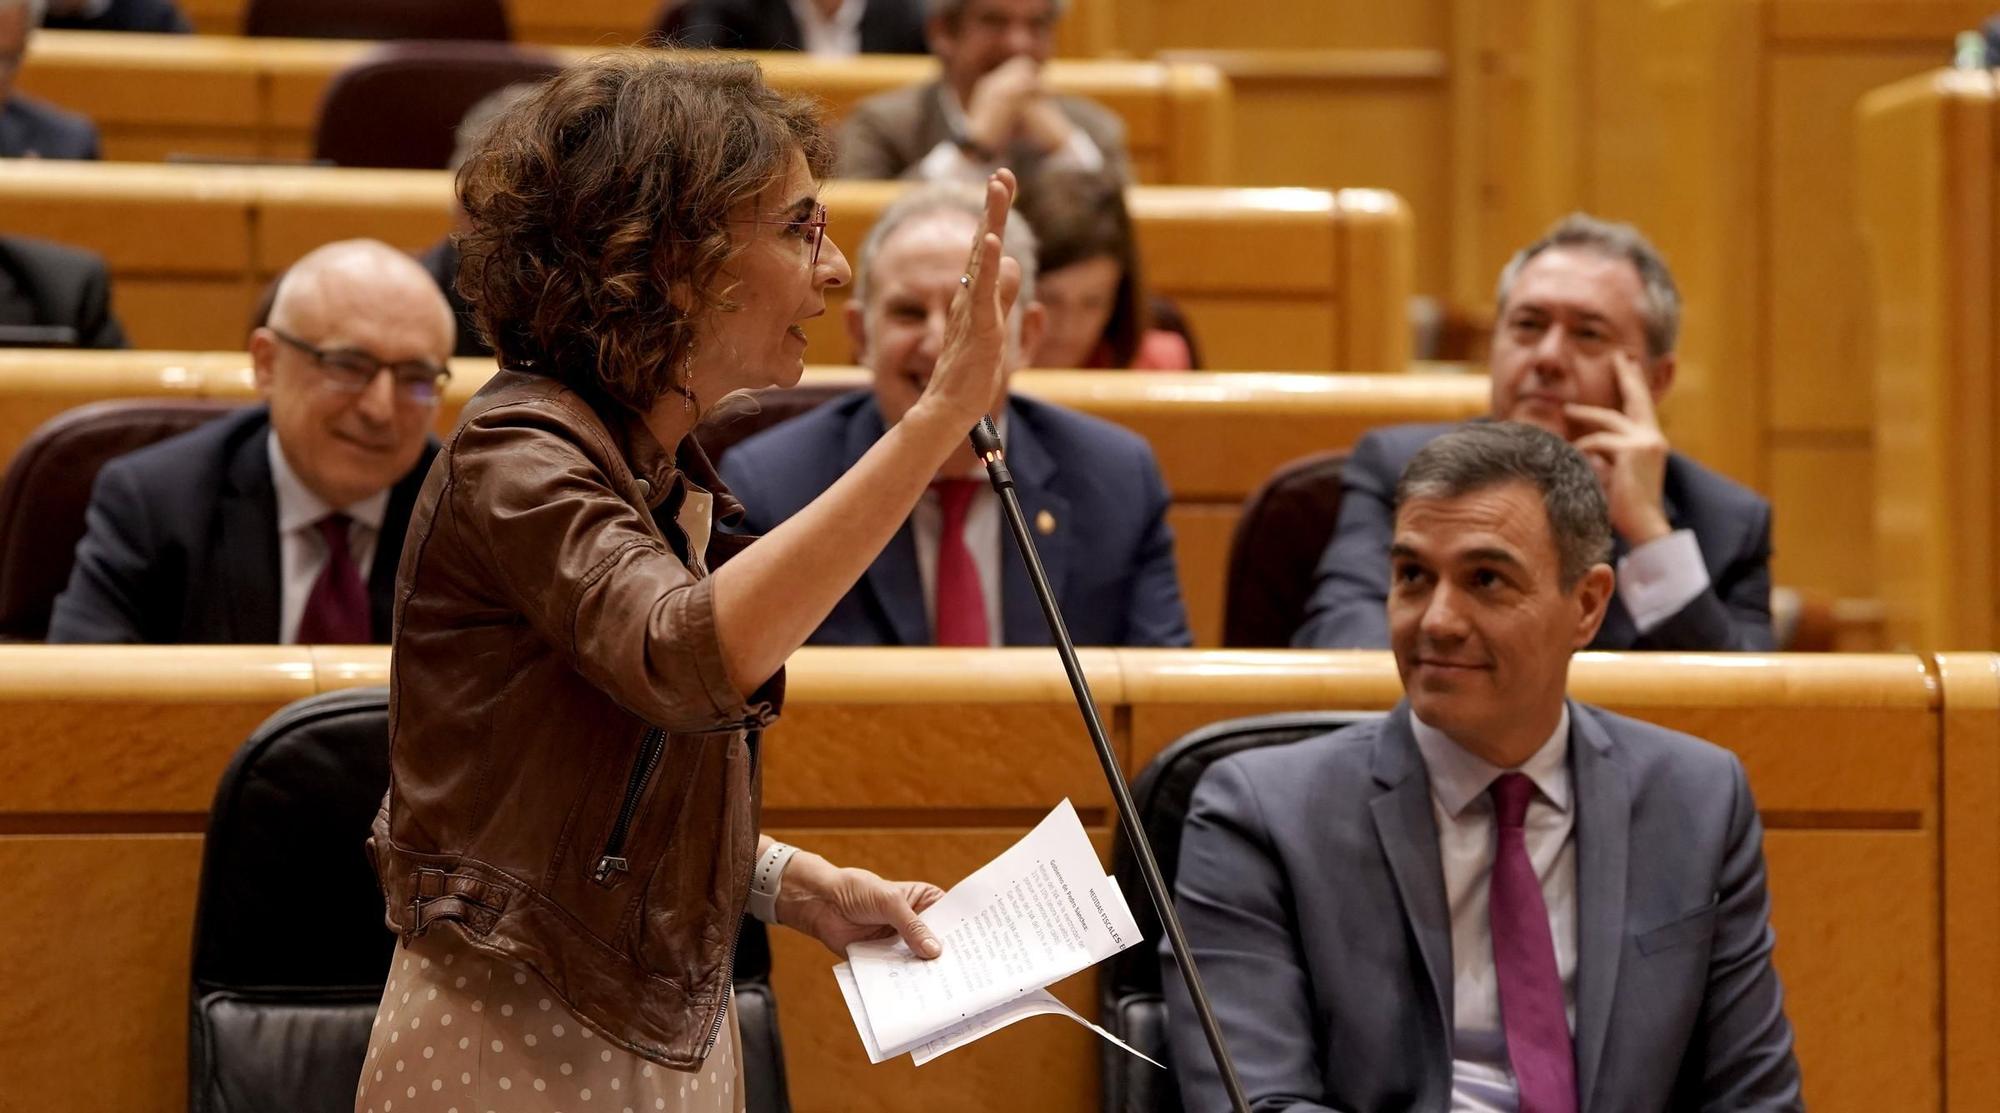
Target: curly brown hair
{"x":595,"y":202}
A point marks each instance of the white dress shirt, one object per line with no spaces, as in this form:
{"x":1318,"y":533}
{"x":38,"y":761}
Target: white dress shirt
{"x":982,"y":537}
{"x":1659,"y":578}
{"x":838,"y":37}
{"x":301,"y":550}
{"x":946,"y":162}
{"x":1482,"y":1081}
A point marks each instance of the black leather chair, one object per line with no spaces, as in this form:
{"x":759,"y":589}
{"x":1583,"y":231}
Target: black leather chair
{"x":399,"y":106}
{"x":740,"y":417}
{"x":286,"y":983}
{"x":1275,"y":550}
{"x":377,"y":19}
{"x":1129,"y":999}
{"x":47,"y":489}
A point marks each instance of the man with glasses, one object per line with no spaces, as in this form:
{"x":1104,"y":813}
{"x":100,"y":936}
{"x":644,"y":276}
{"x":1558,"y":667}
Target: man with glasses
{"x":1091,"y":491}
{"x":990,"y":106}
{"x":31,"y":128}
{"x":282,"y":523}
{"x":1583,"y":346}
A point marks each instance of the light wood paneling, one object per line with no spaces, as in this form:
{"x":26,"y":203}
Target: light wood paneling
{"x":1327,"y":118}
{"x":1263,"y":274}
{"x":1970,"y":685}
{"x":924,"y":762}
{"x":215,"y":95}
{"x":1822,"y":491}
{"x":1928,"y":217}
{"x":1816,"y":348}
{"x":1148,"y":25}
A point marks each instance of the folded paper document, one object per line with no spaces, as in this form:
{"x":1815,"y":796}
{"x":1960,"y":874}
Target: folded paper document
{"x":1038,"y":913}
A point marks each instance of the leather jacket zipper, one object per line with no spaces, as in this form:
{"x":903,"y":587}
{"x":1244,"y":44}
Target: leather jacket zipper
{"x":613,"y":859}
{"x":729,"y":984}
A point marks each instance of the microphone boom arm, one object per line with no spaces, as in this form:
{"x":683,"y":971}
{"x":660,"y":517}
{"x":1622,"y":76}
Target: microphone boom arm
{"x":986,"y":442}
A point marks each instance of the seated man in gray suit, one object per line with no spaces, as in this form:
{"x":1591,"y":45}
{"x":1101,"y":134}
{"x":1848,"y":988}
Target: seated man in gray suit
{"x":989,"y":109}
{"x":1583,"y":346}
{"x":1495,"y":898}
{"x":32,"y":128}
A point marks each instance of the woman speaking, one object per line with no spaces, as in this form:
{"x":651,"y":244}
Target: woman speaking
{"x":570,"y":835}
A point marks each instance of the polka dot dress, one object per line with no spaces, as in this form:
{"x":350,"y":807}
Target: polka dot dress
{"x":460,"y":1031}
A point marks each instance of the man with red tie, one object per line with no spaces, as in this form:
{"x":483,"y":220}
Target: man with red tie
{"x":1091,"y":491}
{"x":1495,"y":899}
{"x":282,"y":523}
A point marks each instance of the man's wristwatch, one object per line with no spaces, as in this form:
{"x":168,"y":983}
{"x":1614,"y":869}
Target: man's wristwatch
{"x":764,"y":881}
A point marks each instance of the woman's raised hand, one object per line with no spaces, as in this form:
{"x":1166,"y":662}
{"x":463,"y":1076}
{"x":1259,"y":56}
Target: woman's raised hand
{"x":969,"y":376}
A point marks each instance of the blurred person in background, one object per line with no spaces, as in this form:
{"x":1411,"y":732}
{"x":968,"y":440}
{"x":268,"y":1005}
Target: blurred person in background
{"x":31,"y":127}
{"x":55,"y":296}
{"x":989,"y":108}
{"x":157,"y":16}
{"x":280,"y":523}
{"x":1090,"y":285}
{"x":824,"y":28}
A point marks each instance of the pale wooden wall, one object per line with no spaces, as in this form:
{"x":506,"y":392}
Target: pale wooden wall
{"x":1928,"y":206}
{"x":1725,"y":129}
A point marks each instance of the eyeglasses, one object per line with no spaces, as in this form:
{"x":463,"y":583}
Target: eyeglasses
{"x":351,"y":372}
{"x":813,"y":228}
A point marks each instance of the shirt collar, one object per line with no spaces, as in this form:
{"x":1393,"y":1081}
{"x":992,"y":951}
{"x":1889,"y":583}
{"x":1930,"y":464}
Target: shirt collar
{"x":1458,"y":776}
{"x":300,"y":508}
{"x":847,"y":18}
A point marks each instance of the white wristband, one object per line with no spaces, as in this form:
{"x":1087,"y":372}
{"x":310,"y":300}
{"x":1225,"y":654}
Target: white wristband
{"x":764,"y":881}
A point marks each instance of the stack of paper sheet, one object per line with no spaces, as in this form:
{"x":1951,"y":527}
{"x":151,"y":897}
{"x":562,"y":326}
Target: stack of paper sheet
{"x":1041,"y":911}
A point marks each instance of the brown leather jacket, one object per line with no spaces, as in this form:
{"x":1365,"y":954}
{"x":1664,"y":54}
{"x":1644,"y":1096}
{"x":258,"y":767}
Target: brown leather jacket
{"x":571,"y":783}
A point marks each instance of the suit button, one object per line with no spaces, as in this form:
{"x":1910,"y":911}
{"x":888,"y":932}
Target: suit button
{"x":645,"y":490}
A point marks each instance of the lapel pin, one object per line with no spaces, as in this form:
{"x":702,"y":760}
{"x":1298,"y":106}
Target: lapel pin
{"x":1045,"y":523}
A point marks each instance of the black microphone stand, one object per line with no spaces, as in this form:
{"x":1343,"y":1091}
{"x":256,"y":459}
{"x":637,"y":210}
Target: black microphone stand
{"x":986,"y":442}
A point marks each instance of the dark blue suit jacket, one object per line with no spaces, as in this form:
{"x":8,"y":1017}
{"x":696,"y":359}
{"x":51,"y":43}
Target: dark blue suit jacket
{"x":1314,"y":900}
{"x":887,"y":26}
{"x":43,"y":283}
{"x":1731,"y":524}
{"x":29,"y":126}
{"x":1110,"y":556}
{"x":157,"y":16}
{"x":181,"y":543}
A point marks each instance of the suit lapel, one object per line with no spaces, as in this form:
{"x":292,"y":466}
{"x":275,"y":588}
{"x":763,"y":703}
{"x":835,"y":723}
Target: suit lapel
{"x":1021,"y":621}
{"x":246,"y":548}
{"x":892,"y":582}
{"x":1603,"y":823}
{"x":1407,"y":829}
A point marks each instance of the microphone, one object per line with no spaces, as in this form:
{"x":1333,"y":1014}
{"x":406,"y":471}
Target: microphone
{"x":986,"y":443}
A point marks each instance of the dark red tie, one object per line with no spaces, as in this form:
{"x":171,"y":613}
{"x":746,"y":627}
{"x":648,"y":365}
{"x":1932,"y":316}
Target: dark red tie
{"x":961,"y":604}
{"x":337,"y":608}
{"x":1524,"y":960}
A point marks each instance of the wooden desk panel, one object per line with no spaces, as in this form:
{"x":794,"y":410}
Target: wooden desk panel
{"x":1844,"y":754}
{"x":1330,"y":294}
{"x":198,"y":95}
{"x":1845,"y":757}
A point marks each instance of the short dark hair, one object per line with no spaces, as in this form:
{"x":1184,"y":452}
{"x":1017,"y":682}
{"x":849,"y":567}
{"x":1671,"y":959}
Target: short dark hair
{"x":602,"y":189}
{"x":1661,"y":309}
{"x":1483,"y":454}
